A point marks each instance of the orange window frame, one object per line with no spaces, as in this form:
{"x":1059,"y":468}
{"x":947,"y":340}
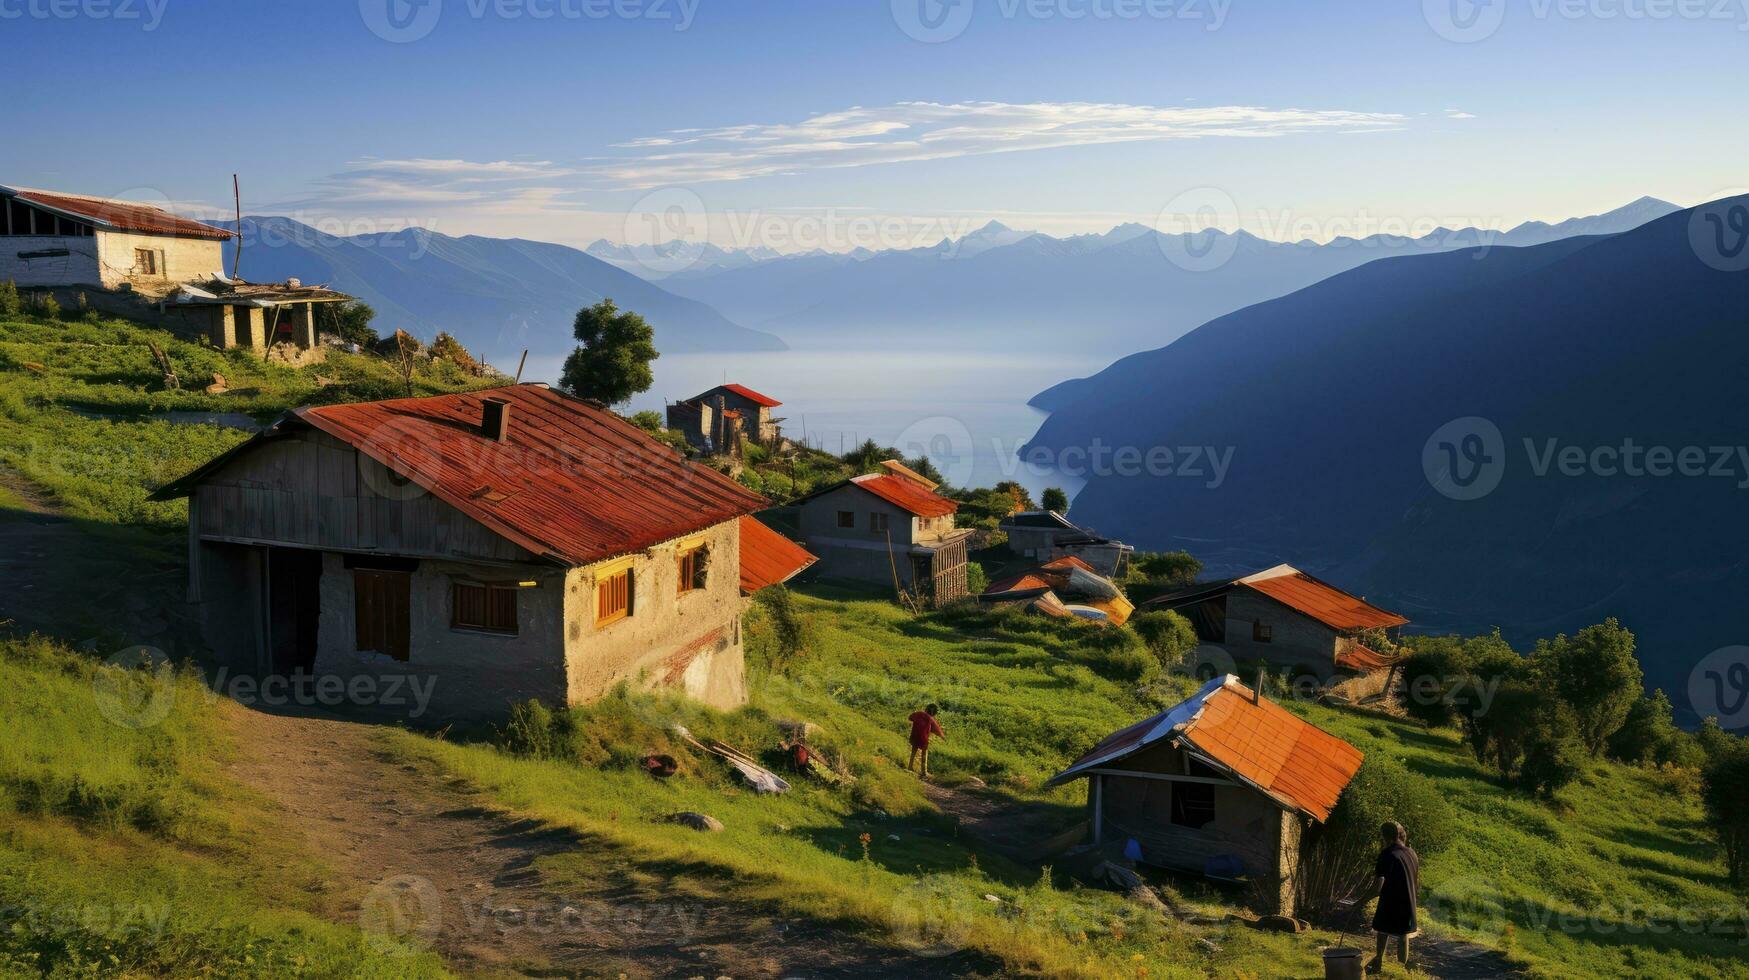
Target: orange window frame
{"x":613,"y":597}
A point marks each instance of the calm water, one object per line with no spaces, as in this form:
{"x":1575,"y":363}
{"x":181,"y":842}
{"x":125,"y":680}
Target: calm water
{"x":966,"y":411}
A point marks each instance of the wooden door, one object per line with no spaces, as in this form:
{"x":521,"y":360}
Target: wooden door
{"x":381,"y":600}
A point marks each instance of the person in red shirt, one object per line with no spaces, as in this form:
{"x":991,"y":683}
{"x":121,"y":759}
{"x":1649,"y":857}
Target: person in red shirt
{"x":923,"y":725}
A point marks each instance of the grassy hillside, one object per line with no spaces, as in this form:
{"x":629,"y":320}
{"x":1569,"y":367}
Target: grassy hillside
{"x":126,"y":851}
{"x":129,"y":851}
{"x":1606,"y":884}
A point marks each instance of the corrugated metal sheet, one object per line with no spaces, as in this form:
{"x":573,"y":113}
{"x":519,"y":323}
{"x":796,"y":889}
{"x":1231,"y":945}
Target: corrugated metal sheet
{"x":1363,"y":660}
{"x":897,"y":468}
{"x":1321,"y":601}
{"x":767,"y":557}
{"x":123,"y":215}
{"x":904,"y":494}
{"x":752,"y":396}
{"x":1262,"y":744}
{"x":573,"y":481}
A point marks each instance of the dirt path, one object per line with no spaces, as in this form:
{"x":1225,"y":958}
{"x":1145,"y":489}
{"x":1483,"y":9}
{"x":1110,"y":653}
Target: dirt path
{"x":418,"y":859}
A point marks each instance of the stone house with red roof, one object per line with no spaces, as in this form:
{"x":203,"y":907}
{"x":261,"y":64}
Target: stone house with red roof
{"x":143,"y":262}
{"x":888,"y":529}
{"x":1223,"y":784}
{"x":499,"y":545}
{"x":1285,"y":618}
{"x":716,"y":421}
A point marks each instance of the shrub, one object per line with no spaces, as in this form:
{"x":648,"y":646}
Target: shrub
{"x":1166,"y":634}
{"x":1113,"y":653}
{"x":1054,"y":499}
{"x":1448,"y":679}
{"x":529,"y":730}
{"x":647,"y":420}
{"x":1337,"y":856}
{"x":776,"y":633}
{"x":977,"y":580}
{"x":1166,"y":569}
{"x":446,"y":347}
{"x":46,"y":306}
{"x":9,"y":302}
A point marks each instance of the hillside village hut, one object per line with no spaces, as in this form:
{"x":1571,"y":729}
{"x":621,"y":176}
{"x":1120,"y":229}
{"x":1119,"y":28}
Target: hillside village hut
{"x":716,"y":421}
{"x":890,"y":530}
{"x":135,"y":259}
{"x":508,"y":544}
{"x":1285,"y":618}
{"x":1223,"y":784}
{"x":1046,"y":535}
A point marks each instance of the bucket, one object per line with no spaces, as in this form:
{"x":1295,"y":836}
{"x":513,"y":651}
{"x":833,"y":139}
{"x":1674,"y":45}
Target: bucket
{"x":1343,"y":963}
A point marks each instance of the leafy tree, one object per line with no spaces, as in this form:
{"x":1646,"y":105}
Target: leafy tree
{"x":1596,"y":674}
{"x":1446,"y":679}
{"x":924,"y":468}
{"x":1725,"y":794}
{"x":350,"y":321}
{"x":612,"y":361}
{"x":1055,"y":499}
{"x":1336,"y":857}
{"x":647,"y":420}
{"x":1554,"y":752}
{"x":977,"y":580}
{"x":10,"y":305}
{"x":1647,"y":733}
{"x":867,"y":457}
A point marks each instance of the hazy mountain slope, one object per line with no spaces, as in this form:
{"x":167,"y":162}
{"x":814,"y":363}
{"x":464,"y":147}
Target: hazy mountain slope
{"x":1327,"y":399}
{"x":1128,"y":289}
{"x":497,"y":296}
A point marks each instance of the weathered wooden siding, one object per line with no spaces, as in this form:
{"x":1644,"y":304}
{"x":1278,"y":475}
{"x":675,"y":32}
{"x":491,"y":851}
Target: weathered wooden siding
{"x":310,"y":490}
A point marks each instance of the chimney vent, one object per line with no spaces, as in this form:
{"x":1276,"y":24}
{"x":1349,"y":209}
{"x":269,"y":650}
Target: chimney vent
{"x":1257,"y":689}
{"x":495,"y":419}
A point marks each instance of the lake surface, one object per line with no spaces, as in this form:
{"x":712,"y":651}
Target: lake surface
{"x":966,"y":411}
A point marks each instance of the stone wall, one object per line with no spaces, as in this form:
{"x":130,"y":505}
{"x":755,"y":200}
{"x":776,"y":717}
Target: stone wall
{"x":689,"y":642}
{"x":1296,"y":640}
{"x":179,"y":260}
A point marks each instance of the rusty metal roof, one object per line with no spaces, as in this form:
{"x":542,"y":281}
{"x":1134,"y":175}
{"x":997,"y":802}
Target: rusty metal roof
{"x":1260,"y":744}
{"x":906,"y":495}
{"x":767,"y":557}
{"x":751,"y":395}
{"x":120,"y":215}
{"x":1320,"y":600}
{"x":1363,"y":660}
{"x":573,"y":482}
{"x":897,"y":468}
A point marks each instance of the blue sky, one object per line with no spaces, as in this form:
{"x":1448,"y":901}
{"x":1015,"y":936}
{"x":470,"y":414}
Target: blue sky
{"x":831,"y":122}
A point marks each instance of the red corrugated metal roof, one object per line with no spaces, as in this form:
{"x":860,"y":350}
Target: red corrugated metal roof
{"x":1362,"y":659}
{"x":897,"y":468}
{"x":752,"y":396}
{"x":1025,"y":582}
{"x":1260,"y":743}
{"x":767,"y":557}
{"x":574,"y":481}
{"x":1323,"y":602}
{"x":906,"y":495}
{"x":1067,"y":562}
{"x":123,"y":215}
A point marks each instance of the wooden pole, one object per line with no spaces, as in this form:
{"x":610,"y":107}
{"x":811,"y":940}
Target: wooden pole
{"x":237,"y":250}
{"x":519,"y":365}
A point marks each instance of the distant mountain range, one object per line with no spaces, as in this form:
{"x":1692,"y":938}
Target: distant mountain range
{"x":496,"y":295}
{"x":1348,"y":411}
{"x":1128,"y":289}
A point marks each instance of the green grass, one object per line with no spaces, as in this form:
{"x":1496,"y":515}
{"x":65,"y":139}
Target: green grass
{"x":1622,"y":843}
{"x":126,"y":852}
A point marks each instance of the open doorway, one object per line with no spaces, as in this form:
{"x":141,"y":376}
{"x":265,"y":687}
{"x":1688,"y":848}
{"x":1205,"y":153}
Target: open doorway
{"x":294,"y":577}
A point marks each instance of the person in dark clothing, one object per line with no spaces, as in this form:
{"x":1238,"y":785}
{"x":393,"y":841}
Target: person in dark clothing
{"x":923,"y":725}
{"x":1398,"y":880}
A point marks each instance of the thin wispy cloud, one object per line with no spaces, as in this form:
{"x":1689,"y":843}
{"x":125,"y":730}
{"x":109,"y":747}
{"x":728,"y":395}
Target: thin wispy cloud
{"x":915,"y":131}
{"x":373,"y":182}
